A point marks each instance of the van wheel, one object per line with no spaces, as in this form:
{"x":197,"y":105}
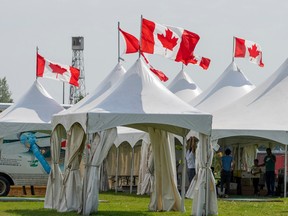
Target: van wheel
{"x":4,"y":186}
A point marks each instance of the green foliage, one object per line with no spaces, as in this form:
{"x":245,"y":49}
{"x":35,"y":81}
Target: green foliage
{"x":5,"y":94}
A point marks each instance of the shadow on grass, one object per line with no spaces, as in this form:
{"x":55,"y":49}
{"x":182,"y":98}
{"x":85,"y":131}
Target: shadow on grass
{"x":47,"y":212}
{"x":121,"y":193}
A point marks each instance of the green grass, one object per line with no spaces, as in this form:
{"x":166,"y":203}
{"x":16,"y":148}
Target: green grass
{"x":122,"y":204}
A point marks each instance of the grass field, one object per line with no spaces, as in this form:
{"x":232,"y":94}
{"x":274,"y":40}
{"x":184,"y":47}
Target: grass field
{"x":122,"y":204}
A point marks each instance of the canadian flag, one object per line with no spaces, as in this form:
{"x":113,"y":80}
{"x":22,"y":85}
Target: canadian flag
{"x":132,"y":46}
{"x":158,"y":73}
{"x":132,"y":43}
{"x":48,"y":69}
{"x":201,"y":61}
{"x":248,"y":49}
{"x":172,"y":42}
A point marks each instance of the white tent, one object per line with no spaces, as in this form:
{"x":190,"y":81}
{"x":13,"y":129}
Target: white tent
{"x":33,"y":112}
{"x":139,"y":101}
{"x":184,"y":87}
{"x":259,"y":115}
{"x":229,"y":87}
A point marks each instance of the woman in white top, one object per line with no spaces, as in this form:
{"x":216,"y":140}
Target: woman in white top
{"x":190,"y":157}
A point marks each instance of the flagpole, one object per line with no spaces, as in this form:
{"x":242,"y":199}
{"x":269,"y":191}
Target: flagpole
{"x":36,"y":61}
{"x":140,"y":37}
{"x":118,"y":42}
{"x":182,"y":66}
{"x":63,"y":101}
{"x":233,"y":49}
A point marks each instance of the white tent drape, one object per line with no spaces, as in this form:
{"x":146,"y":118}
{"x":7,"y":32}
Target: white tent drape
{"x":165,"y":195}
{"x":204,"y":196}
{"x":104,"y":181}
{"x":144,"y":186}
{"x":148,"y":181}
{"x":55,"y":178}
{"x":70,"y":198}
{"x":102,"y":142}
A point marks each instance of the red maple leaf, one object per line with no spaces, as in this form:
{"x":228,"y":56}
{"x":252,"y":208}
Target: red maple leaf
{"x":167,"y":41}
{"x":57,"y":68}
{"x":253,"y":52}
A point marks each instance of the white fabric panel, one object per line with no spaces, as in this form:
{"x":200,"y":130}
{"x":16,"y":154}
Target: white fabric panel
{"x":144,"y":185}
{"x":70,"y":198}
{"x":55,"y":179}
{"x":104,"y":182}
{"x":202,"y":188}
{"x":97,"y":153}
{"x":165,"y":195}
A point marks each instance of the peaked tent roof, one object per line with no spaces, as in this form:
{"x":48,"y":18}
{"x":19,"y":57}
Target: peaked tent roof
{"x":260,"y":113}
{"x":184,"y":87}
{"x":139,"y":100}
{"x":229,"y":87}
{"x":33,"y":112}
{"x":111,"y":79}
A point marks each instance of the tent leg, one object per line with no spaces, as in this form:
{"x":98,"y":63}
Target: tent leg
{"x":285,"y":172}
{"x":117,"y":162}
{"x":132,"y":171}
{"x":207,"y":179}
{"x":183,"y":174}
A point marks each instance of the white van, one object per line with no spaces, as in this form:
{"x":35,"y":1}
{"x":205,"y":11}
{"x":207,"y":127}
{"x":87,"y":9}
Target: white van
{"x":19,"y":166}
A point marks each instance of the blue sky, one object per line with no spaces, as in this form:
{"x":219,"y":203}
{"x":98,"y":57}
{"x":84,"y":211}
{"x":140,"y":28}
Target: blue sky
{"x":50,"y":25}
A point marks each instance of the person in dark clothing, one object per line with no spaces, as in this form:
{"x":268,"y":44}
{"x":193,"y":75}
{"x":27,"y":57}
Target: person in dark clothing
{"x":269,"y":163}
{"x":227,"y":164}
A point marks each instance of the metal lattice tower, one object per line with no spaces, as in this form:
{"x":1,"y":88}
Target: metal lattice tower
{"x":77,"y":93}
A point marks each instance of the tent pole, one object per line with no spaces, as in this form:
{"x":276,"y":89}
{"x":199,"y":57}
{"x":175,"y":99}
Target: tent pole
{"x":132,"y":170}
{"x":117,"y":162}
{"x":183,"y":175}
{"x":207,"y":179}
{"x":238,"y":161}
{"x":285,"y":173}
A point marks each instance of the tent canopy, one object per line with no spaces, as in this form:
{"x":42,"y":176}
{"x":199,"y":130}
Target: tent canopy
{"x":184,"y":87}
{"x":230,"y":86}
{"x":33,"y":112}
{"x":260,"y":113}
{"x":139,"y":100}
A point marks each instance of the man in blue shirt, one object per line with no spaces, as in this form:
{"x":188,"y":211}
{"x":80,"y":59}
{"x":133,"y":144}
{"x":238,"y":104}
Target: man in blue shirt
{"x":227,"y":163}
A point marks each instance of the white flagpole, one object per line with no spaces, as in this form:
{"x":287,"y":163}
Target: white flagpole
{"x":63,"y":101}
{"x":118,"y":42}
{"x":36,"y":61}
{"x":233,"y":50}
{"x":140,"y":37}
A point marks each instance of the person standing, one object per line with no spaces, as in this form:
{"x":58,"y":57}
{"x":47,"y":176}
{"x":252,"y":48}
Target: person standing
{"x":226,"y":172}
{"x":190,"y":157}
{"x":269,"y":163}
{"x":255,"y":171}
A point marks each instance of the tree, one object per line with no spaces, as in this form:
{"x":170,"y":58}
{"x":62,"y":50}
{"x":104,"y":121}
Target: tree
{"x":5,"y":94}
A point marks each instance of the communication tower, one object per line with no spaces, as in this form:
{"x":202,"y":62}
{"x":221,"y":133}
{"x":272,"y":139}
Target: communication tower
{"x":77,"y":93}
